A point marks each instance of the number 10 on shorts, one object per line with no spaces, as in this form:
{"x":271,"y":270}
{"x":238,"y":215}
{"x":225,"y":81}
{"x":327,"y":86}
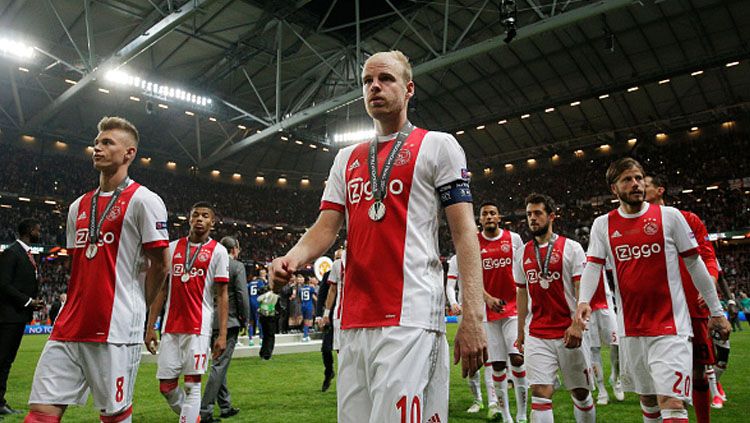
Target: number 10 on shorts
{"x":415,"y":412}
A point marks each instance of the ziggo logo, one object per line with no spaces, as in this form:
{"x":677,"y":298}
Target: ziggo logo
{"x":358,"y":187}
{"x":82,"y":237}
{"x":490,"y":263}
{"x":178,"y":269}
{"x":627,"y":252}
{"x":532,"y":276}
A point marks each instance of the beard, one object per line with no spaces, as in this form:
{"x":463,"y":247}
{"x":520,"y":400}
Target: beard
{"x":541,"y":231}
{"x":625,"y":198}
{"x":34,"y":239}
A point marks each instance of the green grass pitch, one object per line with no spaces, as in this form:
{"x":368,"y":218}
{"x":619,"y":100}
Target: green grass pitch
{"x":287,"y":389}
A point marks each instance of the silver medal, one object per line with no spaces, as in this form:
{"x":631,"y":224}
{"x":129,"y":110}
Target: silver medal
{"x":91,"y":251}
{"x":376,"y":211}
{"x":185,"y":277}
{"x":544,"y":282}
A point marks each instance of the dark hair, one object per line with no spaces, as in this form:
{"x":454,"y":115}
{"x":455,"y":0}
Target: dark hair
{"x":658,"y":181}
{"x":546,"y":200}
{"x":26,"y":226}
{"x":489,"y":203}
{"x":617,"y":167}
{"x":228,"y":242}
{"x":203,"y":205}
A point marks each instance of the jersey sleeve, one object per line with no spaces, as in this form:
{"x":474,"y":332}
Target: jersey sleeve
{"x":577,"y":259}
{"x":705,"y":248}
{"x":517,"y":243}
{"x":334,"y":194}
{"x":680,"y":232}
{"x":518,"y":274}
{"x":335,"y":274}
{"x":597,"y":252}
{"x":450,"y":165}
{"x":152,"y":220}
{"x":221,"y":263}
{"x":70,"y":226}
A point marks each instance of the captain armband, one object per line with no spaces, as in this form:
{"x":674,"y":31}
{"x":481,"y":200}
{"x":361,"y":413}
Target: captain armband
{"x":455,"y":192}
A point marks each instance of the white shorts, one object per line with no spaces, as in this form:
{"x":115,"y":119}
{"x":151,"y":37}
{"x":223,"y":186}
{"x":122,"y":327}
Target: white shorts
{"x":67,"y":371}
{"x":336,"y":334}
{"x":657,"y":365}
{"x":501,"y":338}
{"x":388,"y":373}
{"x":544,"y":357}
{"x":183,"y":354}
{"x":602,"y":328}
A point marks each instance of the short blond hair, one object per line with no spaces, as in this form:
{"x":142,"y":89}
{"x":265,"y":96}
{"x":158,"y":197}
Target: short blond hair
{"x":398,"y":56}
{"x":108,"y":123}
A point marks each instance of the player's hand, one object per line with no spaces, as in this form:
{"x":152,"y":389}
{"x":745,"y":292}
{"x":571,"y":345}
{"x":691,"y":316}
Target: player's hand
{"x":456,"y":309}
{"x":220,"y":345}
{"x":573,"y":336}
{"x":152,"y":343}
{"x":281,"y":271}
{"x":720,"y":325}
{"x":583,"y":314}
{"x":324,"y":321}
{"x":520,"y":341}
{"x":37,"y":304}
{"x":495,"y":304}
{"x":470,"y":346}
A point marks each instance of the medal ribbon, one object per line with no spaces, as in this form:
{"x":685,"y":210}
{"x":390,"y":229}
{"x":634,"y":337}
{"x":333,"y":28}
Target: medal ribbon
{"x":544,"y":265}
{"x":379,"y":185}
{"x":95,"y":225}
{"x":190,"y":260}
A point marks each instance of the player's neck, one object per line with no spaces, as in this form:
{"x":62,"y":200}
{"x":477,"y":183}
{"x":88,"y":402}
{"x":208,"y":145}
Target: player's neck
{"x":391,"y":124}
{"x":491,"y":233}
{"x":109,"y":181}
{"x":198,"y":238}
{"x":631,"y":208}
{"x":543,"y":239}
{"x":25,"y":239}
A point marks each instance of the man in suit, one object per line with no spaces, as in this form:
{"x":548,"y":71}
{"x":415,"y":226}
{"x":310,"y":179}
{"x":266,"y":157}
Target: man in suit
{"x":238,"y":312}
{"x":19,"y":286}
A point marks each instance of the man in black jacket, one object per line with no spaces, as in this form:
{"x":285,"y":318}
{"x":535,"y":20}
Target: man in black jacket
{"x":19,"y":286}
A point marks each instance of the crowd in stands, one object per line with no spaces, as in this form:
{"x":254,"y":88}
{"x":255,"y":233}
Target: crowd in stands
{"x":268,"y":220}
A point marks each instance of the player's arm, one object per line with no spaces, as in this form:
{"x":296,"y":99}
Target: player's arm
{"x":156,"y":276}
{"x":522,"y":307}
{"x":154,"y":311}
{"x":313,"y":243}
{"x":450,"y":292}
{"x":595,"y":259}
{"x":222,"y":304}
{"x":471,"y":342}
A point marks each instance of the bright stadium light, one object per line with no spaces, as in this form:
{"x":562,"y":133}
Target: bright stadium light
{"x":154,"y":89}
{"x":16,"y":49}
{"x":354,"y":136}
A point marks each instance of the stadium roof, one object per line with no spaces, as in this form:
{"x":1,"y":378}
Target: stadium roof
{"x":282,"y":76}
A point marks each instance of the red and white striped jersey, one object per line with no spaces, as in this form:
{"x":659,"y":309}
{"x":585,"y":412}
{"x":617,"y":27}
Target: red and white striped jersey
{"x":645,"y":248}
{"x":551,"y":302}
{"x":497,"y":270}
{"x":603,"y":295}
{"x":106,"y":294}
{"x":394,"y":276}
{"x":707,"y":253}
{"x":190,"y":305}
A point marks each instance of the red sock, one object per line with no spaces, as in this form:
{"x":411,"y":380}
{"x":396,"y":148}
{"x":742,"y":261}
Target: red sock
{"x":702,"y":401}
{"x":36,"y":417}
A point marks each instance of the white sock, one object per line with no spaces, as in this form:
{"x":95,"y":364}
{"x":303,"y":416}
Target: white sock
{"x":173,"y":394}
{"x":541,"y":410}
{"x":711,"y":376}
{"x":596,"y":364}
{"x":475,"y":385}
{"x":491,"y":396}
{"x":651,"y":414}
{"x":501,"y":389}
{"x":674,"y":415}
{"x":584,"y":411}
{"x":521,"y":386}
{"x":191,"y":407}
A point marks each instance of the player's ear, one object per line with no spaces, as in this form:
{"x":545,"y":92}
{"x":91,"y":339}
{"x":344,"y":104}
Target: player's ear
{"x":410,"y":90}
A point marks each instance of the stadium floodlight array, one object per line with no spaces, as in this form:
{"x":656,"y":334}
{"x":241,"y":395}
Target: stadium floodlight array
{"x":153,"y":89}
{"x":16,"y":49}
{"x":349,"y":137}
